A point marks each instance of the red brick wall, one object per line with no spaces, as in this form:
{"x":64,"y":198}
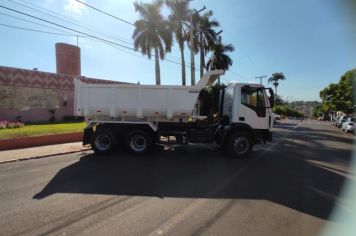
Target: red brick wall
{"x":61,"y":83}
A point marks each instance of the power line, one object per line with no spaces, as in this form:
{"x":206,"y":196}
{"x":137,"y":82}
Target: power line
{"x":108,"y":14}
{"x":65,"y":27}
{"x":83,"y":33}
{"x":113,"y":16}
{"x":38,"y":31}
{"x":248,"y":58}
{"x":85,"y":26}
{"x":261,"y":77}
{"x":65,"y":19}
{"x":127,"y":22}
{"x":33,"y":22}
{"x":242,"y":76}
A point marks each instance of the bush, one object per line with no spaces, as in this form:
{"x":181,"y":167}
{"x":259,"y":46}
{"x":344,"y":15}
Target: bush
{"x":285,"y":110}
{"x":11,"y":124}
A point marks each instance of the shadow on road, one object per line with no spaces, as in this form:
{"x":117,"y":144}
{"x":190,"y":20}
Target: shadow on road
{"x":283,"y":175}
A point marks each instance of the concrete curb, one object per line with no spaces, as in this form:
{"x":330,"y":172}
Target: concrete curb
{"x":44,"y":156}
{"x":26,"y":142}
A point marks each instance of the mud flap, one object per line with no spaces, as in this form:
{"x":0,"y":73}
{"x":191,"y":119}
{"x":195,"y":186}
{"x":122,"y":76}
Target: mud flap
{"x":88,"y":132}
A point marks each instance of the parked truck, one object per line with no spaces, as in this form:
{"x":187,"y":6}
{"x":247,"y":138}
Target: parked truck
{"x":138,"y":116}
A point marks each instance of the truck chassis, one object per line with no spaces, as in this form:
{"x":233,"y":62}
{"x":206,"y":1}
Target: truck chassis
{"x":235,"y":139}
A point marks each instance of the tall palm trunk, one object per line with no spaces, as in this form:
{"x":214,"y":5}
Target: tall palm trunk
{"x":202,"y":52}
{"x":157,"y":69}
{"x":192,"y":67}
{"x":183,"y":64}
{"x":192,"y":62}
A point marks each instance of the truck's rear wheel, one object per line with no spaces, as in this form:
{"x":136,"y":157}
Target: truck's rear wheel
{"x":139,"y":142}
{"x":239,"y":144}
{"x":103,"y":141}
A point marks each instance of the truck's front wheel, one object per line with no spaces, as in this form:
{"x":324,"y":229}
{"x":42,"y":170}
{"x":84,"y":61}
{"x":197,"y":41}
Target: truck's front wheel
{"x":139,"y":142}
{"x":103,"y":141}
{"x":239,"y":144}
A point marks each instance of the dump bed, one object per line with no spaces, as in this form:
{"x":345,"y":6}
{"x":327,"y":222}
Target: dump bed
{"x":135,"y":101}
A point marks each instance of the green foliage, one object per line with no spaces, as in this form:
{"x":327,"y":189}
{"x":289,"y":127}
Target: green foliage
{"x":276,"y":77}
{"x":279,"y":100}
{"x":286,"y":110}
{"x":339,"y":97}
{"x":152,"y":32}
{"x":305,"y":107}
{"x":219,"y":59}
{"x":318,"y":111}
{"x":153,"y":35}
{"x":178,"y":17}
{"x":209,"y":98}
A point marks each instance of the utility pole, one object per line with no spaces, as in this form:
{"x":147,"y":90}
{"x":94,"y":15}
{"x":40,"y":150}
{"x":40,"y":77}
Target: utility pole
{"x":261,"y":77}
{"x":191,"y":42}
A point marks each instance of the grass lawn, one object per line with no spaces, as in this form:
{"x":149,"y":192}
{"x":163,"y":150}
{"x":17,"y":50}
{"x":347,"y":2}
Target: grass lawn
{"x":38,"y":130}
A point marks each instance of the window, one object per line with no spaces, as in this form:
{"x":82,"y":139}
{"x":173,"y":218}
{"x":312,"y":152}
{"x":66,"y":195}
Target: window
{"x":254,"y":99}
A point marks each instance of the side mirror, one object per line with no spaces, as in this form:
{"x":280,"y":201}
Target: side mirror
{"x":271,"y":98}
{"x":271,"y":101}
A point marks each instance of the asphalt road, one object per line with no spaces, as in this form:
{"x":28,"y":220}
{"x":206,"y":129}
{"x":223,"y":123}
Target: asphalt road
{"x":288,"y":187}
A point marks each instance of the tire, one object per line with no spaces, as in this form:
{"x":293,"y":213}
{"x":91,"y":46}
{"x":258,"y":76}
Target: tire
{"x":103,"y":141}
{"x":139,"y":142}
{"x":239,"y":144}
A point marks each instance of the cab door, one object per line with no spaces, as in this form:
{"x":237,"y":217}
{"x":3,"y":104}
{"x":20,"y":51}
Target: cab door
{"x":252,"y":108}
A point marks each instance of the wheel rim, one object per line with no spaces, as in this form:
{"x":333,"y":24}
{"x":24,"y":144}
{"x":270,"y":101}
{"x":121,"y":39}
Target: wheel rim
{"x":103,"y":142}
{"x":241,"y":145}
{"x":138,"y":143}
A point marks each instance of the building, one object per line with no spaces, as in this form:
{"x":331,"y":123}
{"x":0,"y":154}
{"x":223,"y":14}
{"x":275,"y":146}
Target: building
{"x":36,"y":96}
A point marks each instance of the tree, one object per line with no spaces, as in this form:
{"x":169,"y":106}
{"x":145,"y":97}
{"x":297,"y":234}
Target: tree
{"x":286,"y":110}
{"x":279,"y":100}
{"x":152,"y":32}
{"x":329,"y":97}
{"x":345,"y":99}
{"x":318,"y":111}
{"x":206,"y":36}
{"x":219,"y":59}
{"x":209,"y":98}
{"x":339,"y":97}
{"x":178,"y":18}
{"x":193,"y":43}
{"x":276,"y":77}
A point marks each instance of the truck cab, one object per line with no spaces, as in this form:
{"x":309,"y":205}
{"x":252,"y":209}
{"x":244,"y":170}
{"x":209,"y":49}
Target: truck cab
{"x":248,"y":104}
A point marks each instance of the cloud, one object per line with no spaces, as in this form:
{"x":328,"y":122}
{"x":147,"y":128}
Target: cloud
{"x":75,"y":7}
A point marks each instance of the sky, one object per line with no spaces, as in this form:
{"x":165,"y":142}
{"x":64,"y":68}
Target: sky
{"x":313,"y":42}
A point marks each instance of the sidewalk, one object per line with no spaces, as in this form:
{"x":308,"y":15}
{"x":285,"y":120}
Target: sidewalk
{"x":42,"y":151}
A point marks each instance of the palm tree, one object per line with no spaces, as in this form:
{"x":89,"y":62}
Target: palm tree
{"x":275,"y":78}
{"x":152,"y":31}
{"x":193,"y":43}
{"x":178,"y":18}
{"x":219,"y":59}
{"x":206,"y":36}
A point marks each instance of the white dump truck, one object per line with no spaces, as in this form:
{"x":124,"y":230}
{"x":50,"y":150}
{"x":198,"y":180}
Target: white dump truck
{"x":138,"y":116}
